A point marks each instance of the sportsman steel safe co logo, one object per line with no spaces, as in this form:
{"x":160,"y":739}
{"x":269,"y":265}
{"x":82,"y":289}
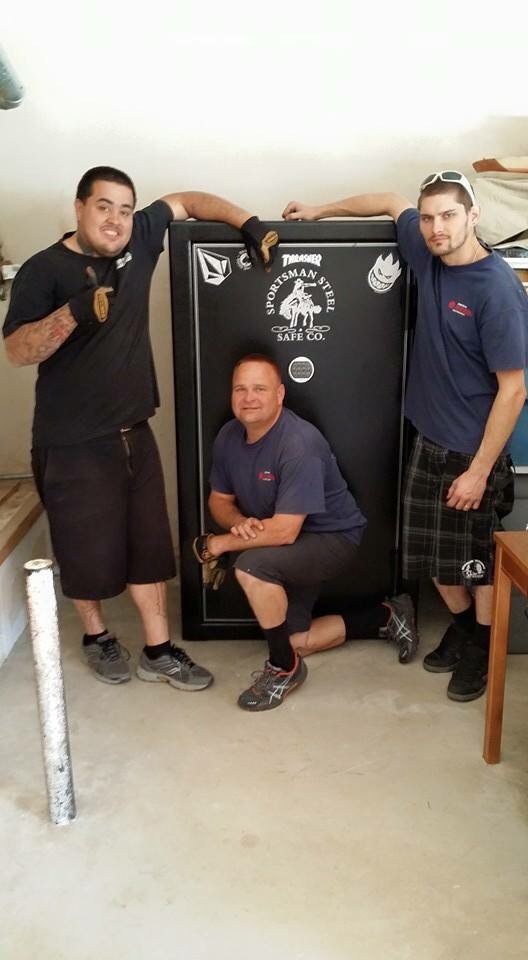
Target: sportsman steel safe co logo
{"x":301,"y":297}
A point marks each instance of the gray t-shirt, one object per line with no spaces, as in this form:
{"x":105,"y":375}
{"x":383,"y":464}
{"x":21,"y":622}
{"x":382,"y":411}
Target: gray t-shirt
{"x":291,"y":470}
{"x":472,"y":321}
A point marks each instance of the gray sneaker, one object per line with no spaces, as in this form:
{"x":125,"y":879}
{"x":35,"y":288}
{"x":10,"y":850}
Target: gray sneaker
{"x":108,"y":659}
{"x":401,"y":628}
{"x":175,"y":668}
{"x":272,"y":685}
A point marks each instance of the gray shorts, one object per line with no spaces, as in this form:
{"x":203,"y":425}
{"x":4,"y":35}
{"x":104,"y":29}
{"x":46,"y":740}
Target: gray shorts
{"x":300,"y":568}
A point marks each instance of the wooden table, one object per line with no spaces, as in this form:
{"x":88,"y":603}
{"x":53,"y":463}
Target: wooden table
{"x":511,"y":566}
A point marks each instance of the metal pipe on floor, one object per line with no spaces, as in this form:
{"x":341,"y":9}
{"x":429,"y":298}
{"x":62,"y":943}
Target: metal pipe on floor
{"x":42,"y":607}
{"x":16,"y":476}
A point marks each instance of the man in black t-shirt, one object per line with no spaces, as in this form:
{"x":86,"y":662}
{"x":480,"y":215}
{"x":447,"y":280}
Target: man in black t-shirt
{"x":278,"y":491}
{"x":80,"y":310}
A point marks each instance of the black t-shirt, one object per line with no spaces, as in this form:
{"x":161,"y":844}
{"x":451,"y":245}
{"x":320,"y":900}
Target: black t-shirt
{"x":102,"y":378}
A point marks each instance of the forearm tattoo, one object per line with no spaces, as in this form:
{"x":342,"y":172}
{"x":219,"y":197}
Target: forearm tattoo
{"x":35,"y":342}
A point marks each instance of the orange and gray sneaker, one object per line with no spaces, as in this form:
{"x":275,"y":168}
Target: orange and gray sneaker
{"x":272,"y":685}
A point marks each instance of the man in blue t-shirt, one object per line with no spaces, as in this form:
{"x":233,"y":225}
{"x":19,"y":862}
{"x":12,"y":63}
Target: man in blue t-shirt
{"x":466,"y":390}
{"x":80,"y":310}
{"x":277,"y":489}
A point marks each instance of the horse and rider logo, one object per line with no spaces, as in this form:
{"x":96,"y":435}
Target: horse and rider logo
{"x":309,"y":295}
{"x":299,"y":305}
{"x":300,"y":309}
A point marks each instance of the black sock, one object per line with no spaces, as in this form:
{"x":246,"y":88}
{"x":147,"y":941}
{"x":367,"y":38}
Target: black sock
{"x":365,"y":624}
{"x":281,"y":652}
{"x":93,"y":637}
{"x":466,"y":620}
{"x":158,"y":650}
{"x":481,"y":636}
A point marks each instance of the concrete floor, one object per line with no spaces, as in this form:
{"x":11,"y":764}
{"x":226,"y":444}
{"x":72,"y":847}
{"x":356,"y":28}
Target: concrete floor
{"x":357,"y":821}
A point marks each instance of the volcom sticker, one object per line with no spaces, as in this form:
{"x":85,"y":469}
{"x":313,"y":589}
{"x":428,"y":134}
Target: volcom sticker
{"x":215,"y":267}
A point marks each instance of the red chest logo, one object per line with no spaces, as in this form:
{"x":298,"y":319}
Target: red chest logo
{"x":266,"y":475}
{"x":460,"y":308}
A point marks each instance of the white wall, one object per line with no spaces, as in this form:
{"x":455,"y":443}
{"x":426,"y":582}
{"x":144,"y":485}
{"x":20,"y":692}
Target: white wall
{"x":13,"y":607}
{"x":262,"y":103}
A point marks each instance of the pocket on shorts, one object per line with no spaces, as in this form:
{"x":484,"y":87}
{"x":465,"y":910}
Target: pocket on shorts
{"x":503,"y":479}
{"x":455,"y":465}
{"x":39,"y":459}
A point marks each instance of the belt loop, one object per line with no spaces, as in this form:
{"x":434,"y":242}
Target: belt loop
{"x":132,"y":426}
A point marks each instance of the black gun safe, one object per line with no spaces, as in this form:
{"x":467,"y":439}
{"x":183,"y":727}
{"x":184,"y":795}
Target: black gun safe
{"x":333,"y":311}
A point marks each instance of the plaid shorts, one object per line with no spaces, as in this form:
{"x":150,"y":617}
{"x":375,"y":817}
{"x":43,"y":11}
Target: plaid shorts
{"x":455,"y":546}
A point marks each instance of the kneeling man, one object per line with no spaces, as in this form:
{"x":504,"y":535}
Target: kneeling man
{"x":277,"y":489}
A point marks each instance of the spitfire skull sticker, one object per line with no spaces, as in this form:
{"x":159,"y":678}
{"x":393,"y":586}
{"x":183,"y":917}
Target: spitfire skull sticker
{"x":383,"y":275}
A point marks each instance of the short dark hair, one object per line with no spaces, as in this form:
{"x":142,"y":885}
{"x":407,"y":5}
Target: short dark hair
{"x":440,"y":186}
{"x":259,"y":358}
{"x":85,"y":187}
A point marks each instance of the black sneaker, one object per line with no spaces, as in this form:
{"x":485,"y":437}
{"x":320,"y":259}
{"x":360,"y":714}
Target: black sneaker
{"x":401,"y":628}
{"x":470,"y":676}
{"x":447,"y":654}
{"x":272,"y":685}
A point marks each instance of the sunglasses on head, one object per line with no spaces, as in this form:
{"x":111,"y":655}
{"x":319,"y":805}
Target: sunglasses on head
{"x":450,"y":176}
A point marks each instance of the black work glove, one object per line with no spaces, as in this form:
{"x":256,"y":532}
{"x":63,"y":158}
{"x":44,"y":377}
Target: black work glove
{"x":261,"y":242}
{"x":91,"y":305}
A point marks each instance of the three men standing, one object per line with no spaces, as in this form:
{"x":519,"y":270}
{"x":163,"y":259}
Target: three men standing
{"x":80,"y":310}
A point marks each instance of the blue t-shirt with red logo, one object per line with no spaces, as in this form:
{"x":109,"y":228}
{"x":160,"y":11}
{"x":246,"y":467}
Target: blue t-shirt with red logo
{"x":291,"y":469}
{"x":472,"y":321}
